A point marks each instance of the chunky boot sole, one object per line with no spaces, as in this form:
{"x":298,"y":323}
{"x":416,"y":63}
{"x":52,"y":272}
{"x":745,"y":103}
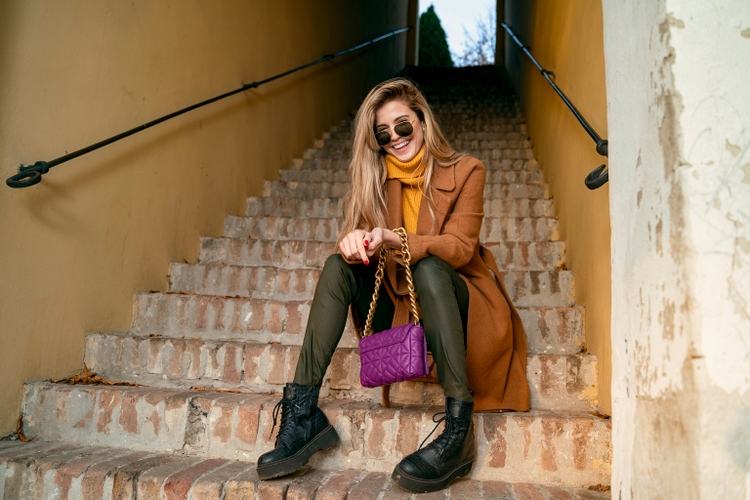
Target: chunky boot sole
{"x":326,"y":439}
{"x":421,"y":485}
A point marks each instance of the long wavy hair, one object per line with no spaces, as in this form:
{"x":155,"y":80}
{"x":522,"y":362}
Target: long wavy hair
{"x":365,"y":204}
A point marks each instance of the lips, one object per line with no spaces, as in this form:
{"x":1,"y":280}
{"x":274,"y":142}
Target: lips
{"x":401,"y":145}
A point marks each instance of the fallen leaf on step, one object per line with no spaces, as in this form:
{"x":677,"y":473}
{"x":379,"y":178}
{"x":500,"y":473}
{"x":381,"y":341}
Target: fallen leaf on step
{"x":87,"y":377}
{"x":21,"y":436}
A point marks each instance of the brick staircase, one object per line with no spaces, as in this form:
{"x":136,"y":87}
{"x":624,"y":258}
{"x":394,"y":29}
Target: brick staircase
{"x":213,"y":352}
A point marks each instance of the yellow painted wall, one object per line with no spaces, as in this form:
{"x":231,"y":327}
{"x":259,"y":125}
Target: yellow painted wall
{"x":567,"y":38}
{"x":75,"y":248}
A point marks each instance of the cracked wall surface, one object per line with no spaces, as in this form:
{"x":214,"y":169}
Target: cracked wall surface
{"x":679,"y":125}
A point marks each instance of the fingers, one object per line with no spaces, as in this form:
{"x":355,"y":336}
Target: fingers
{"x":352,"y":246}
{"x":362,"y":252}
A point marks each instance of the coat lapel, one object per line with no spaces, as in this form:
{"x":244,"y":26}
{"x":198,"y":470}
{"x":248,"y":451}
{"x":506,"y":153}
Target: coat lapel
{"x":393,"y":191}
{"x":444,"y":182}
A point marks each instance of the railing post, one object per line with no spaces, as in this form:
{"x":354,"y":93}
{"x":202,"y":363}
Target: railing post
{"x":412,"y":37}
{"x":499,"y":33}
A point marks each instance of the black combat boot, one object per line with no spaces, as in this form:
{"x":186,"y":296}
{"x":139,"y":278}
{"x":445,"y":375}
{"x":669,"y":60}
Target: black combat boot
{"x":304,"y":429}
{"x":451,"y":455}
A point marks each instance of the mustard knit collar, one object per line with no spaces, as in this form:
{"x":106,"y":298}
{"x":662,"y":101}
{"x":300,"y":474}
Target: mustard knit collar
{"x":409,"y":172}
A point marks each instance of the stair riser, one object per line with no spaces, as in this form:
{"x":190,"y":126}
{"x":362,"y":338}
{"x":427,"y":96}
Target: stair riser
{"x":327,"y":164}
{"x":341,"y":175}
{"x":511,"y":255}
{"x":521,"y":153}
{"x":526,"y":288}
{"x":548,"y":330}
{"x":507,"y":229}
{"x":556,"y":382}
{"x":311,"y":190}
{"x":331,"y":207}
{"x":511,"y":446}
{"x":344,"y":136}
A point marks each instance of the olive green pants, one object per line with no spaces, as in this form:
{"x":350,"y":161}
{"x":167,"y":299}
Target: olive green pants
{"x":443,"y":298}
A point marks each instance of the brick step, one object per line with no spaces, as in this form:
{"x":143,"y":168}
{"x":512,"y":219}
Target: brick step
{"x":473,"y":147}
{"x":511,"y":255}
{"x":557,"y":382}
{"x":551,"y":447}
{"x":519,"y":153}
{"x":326,"y":229}
{"x":282,"y":206}
{"x":303,"y":189}
{"x":269,"y":280}
{"x":55,"y":470}
{"x":342,"y":138}
{"x":341,"y":175}
{"x":553,"y":330}
{"x":278,"y":314}
{"x":343,"y":163}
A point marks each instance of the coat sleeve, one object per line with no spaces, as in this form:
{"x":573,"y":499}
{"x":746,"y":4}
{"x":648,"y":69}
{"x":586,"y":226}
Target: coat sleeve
{"x":458,"y":238}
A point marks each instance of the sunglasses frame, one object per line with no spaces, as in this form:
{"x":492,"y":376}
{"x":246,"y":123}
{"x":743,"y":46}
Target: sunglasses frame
{"x":395,"y":129}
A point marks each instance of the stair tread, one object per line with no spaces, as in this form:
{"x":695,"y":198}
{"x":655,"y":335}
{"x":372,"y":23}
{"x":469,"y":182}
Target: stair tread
{"x":124,"y":473}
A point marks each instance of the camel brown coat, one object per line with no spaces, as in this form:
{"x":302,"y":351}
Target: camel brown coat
{"x":496,"y":342}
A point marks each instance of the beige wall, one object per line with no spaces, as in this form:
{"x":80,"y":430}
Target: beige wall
{"x":567,"y":38}
{"x":75,"y":248}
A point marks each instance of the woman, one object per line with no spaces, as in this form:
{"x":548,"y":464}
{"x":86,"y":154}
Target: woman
{"x":404,"y":173}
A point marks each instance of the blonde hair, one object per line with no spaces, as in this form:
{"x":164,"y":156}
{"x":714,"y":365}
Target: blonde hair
{"x":365,"y":204}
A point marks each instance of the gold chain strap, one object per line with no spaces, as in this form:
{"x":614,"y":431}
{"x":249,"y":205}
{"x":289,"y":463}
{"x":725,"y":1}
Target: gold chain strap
{"x":406,"y":256}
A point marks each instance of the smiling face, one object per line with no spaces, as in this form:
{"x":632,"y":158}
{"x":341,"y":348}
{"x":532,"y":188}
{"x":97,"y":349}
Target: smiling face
{"x":391,"y":114}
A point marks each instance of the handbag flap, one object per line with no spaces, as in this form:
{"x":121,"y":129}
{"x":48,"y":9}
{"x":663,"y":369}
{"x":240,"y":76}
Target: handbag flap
{"x":386,"y":338}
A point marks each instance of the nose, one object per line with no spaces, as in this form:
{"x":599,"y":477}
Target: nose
{"x":394,"y":135}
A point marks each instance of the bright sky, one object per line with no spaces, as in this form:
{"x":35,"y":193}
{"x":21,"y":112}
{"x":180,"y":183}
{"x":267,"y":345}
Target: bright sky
{"x":455,"y":15}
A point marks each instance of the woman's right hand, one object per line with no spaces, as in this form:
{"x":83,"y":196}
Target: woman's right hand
{"x":352,"y":246}
{"x":360,"y":245}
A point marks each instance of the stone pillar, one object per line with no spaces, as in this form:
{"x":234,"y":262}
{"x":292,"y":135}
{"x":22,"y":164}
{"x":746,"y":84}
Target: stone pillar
{"x":679,"y":138}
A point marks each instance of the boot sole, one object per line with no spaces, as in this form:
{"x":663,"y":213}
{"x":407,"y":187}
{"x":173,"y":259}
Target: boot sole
{"x":322,"y":441}
{"x":420,"y":485}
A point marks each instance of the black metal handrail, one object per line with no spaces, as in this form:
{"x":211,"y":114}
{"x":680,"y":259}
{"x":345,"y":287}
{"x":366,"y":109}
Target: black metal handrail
{"x":599,"y":176}
{"x":28,"y":175}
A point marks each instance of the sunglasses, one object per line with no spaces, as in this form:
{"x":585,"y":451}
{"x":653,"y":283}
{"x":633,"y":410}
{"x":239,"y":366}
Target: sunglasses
{"x":403,"y":129}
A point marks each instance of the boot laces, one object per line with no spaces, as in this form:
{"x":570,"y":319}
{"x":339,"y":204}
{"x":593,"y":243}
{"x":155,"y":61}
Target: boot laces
{"x":288,"y":420}
{"x":444,"y":439}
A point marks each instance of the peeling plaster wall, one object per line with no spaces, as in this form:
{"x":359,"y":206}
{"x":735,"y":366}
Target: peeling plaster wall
{"x":679,"y":131}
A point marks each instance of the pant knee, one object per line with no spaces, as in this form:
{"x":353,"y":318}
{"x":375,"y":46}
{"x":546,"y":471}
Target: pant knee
{"x":432,"y":276}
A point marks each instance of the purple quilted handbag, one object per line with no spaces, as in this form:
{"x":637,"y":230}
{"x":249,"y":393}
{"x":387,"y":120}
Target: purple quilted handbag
{"x":397,"y":354}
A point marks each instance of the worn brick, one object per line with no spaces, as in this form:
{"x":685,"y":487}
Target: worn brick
{"x":242,"y":486}
{"x":305,"y":485}
{"x":92,"y":484}
{"x":124,"y":479}
{"x":178,"y":484}
{"x":338,"y":485}
{"x":71,"y":472}
{"x":525,"y":491}
{"x":213,"y":485}
{"x":370,"y":486}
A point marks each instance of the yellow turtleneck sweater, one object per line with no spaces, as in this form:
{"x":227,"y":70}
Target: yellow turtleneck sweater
{"x":410,"y":174}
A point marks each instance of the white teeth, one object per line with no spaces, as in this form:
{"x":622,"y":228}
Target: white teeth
{"x":401,"y":145}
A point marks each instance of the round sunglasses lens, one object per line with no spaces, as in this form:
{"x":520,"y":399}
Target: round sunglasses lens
{"x":403,"y":129}
{"x":383,"y":138}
